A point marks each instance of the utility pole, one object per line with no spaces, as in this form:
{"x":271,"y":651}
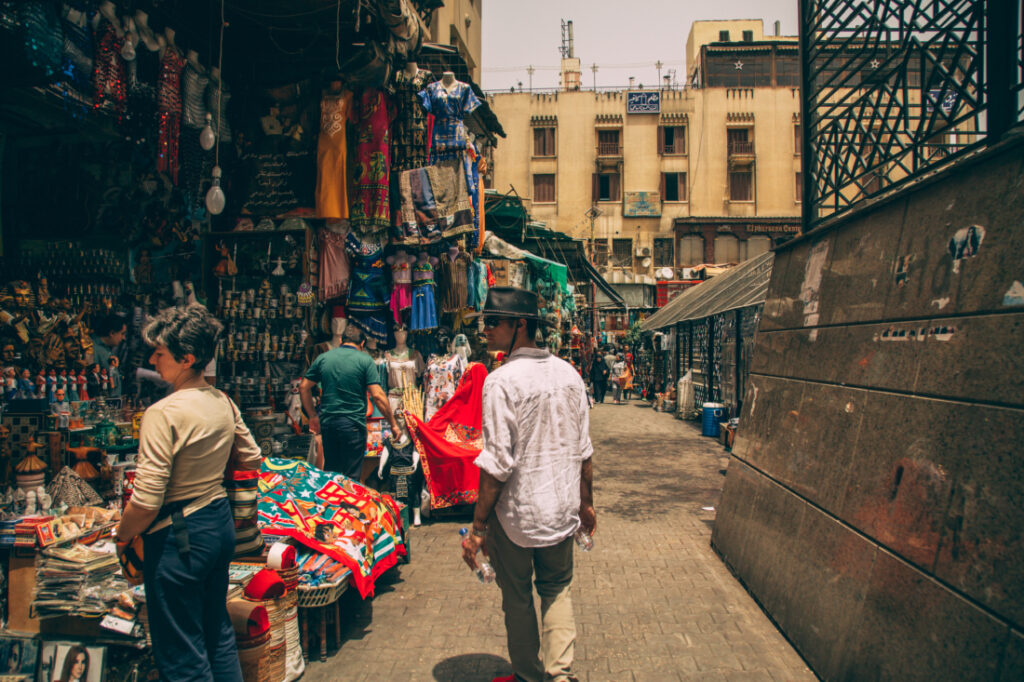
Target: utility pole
{"x":658,"y":66}
{"x":530,"y":71}
{"x":593,"y":67}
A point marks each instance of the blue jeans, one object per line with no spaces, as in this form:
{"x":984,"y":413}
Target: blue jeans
{"x":344,"y":445}
{"x":186,"y":597}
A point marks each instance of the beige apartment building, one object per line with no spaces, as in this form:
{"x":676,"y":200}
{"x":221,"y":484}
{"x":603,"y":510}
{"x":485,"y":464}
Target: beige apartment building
{"x":662,"y":179}
{"x":458,"y":23}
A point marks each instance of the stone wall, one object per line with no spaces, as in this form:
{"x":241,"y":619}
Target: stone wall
{"x":874,"y":504}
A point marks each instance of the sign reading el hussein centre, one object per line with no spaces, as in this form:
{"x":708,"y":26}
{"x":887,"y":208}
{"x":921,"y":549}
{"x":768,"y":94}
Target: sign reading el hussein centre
{"x":641,"y":204}
{"x":643,"y":102}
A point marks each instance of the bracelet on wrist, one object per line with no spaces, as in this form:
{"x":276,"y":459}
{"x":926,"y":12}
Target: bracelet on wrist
{"x":479,"y":533}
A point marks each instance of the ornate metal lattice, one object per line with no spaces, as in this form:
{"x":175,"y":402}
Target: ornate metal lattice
{"x":895,"y":88}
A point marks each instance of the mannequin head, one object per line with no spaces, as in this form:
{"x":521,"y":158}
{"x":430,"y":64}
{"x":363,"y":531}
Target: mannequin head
{"x":461,"y":346}
{"x":338,"y":322}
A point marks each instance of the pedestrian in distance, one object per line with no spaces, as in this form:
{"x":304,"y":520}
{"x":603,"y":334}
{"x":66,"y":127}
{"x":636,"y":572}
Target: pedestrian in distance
{"x":599,"y":373}
{"x":536,"y":487}
{"x":345,"y":375}
{"x":619,"y":378}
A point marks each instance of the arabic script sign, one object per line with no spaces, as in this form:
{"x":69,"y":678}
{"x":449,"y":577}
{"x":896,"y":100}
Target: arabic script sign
{"x":641,"y":205}
{"x":643,"y":102}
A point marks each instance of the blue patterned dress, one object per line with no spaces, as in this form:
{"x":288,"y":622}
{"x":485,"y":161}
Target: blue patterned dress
{"x":368,"y":288}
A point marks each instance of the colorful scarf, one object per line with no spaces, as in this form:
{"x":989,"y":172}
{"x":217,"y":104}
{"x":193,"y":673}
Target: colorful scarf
{"x":451,"y":440}
{"x":311,"y":505}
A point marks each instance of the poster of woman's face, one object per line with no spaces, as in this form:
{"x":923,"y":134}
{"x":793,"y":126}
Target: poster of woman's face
{"x":71,"y":662}
{"x":18,"y":656}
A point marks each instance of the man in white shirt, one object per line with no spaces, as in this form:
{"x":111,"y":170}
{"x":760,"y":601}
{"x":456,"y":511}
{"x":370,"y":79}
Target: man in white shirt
{"x":536,"y":486}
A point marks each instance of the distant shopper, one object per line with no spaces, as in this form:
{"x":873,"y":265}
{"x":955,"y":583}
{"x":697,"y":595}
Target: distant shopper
{"x":345,"y":375}
{"x":535,"y":487}
{"x":609,"y":358}
{"x":599,"y":373}
{"x":179,"y":504}
{"x":108,"y":331}
{"x":619,"y":377}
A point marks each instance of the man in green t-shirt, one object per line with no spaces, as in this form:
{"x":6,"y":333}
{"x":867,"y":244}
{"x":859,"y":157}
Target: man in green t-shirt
{"x":345,"y":375}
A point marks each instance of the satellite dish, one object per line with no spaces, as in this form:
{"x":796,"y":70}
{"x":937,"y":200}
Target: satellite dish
{"x":646,"y":262}
{"x":666,"y":273}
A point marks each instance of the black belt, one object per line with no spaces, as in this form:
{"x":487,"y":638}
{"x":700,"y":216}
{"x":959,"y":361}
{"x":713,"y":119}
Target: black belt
{"x":176,"y":511}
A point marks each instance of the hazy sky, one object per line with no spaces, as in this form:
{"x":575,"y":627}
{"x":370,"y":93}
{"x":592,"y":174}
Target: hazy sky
{"x":623,"y":38}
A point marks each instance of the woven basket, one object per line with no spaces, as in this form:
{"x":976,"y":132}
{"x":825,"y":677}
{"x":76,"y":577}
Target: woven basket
{"x":311,"y":597}
{"x":277,"y":662}
{"x":255,"y":666}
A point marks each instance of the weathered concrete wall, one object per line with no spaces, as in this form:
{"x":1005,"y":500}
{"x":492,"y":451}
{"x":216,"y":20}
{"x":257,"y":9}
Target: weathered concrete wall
{"x":875,"y":502}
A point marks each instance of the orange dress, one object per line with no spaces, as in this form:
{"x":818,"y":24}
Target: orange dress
{"x":331,"y":177}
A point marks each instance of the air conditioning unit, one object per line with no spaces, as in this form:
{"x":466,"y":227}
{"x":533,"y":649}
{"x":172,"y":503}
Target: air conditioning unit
{"x":685,"y":273}
{"x":603,"y":269}
{"x":643,"y":251}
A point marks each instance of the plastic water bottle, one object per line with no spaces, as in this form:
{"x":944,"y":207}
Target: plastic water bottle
{"x":484,"y":571}
{"x":584,"y":540}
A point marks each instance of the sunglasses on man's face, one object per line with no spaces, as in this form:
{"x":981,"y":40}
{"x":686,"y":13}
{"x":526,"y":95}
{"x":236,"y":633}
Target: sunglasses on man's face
{"x":492,"y":322}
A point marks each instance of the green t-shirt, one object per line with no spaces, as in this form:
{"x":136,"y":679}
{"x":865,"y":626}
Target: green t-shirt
{"x":344,"y":374}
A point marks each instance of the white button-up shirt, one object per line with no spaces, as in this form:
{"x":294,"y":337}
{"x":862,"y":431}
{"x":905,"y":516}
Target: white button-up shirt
{"x":536,"y":424}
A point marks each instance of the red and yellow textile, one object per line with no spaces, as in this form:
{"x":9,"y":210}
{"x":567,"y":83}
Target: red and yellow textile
{"x":333,"y":515}
{"x":451,"y":440}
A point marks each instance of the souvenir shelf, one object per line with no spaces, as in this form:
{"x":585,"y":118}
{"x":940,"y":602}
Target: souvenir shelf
{"x":74,"y":270}
{"x":258,"y":285}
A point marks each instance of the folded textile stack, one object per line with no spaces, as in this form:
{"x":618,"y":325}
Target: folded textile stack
{"x":281,"y":558}
{"x":71,"y":581}
{"x":316,"y":569}
{"x":7,"y":532}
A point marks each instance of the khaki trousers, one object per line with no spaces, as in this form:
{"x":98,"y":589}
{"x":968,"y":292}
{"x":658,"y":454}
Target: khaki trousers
{"x":547,"y":654}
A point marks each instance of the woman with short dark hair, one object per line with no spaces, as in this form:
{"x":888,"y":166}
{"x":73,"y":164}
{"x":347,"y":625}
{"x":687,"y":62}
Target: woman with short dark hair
{"x":179,"y":504}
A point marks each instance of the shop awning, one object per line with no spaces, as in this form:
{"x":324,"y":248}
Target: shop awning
{"x":739,"y":287}
{"x":602,"y":284}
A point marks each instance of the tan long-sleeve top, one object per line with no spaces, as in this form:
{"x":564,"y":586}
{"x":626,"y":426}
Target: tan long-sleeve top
{"x":184,"y":444}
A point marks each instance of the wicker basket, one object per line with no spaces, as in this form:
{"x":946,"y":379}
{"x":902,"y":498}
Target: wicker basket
{"x":321,"y":595}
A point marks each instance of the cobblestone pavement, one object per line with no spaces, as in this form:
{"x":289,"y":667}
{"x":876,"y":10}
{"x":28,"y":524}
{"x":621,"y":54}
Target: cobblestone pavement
{"x":652,"y":600}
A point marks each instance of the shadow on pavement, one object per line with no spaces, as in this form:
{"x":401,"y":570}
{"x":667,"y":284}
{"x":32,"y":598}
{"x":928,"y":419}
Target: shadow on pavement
{"x":471,"y":667}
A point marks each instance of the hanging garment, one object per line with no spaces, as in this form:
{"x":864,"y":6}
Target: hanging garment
{"x":143,"y":75}
{"x":454,"y":282}
{"x":401,"y":283}
{"x":296,"y":499}
{"x":193,"y":95}
{"x":331,"y":154}
{"x":449,"y":107}
{"x":404,"y":369}
{"x":435,"y":203}
{"x":471,"y":163}
{"x":367,"y":293}
{"x":215,"y":92}
{"x":424,"y":301}
{"x":440,"y":381}
{"x":409,"y":132}
{"x":169,"y":108}
{"x":370,"y":208}
{"x":449,"y":441}
{"x":476,"y":289}
{"x":110,"y":78}
{"x":334,"y":267}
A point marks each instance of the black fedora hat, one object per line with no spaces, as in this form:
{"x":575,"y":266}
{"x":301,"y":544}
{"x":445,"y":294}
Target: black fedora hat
{"x":510,"y":302}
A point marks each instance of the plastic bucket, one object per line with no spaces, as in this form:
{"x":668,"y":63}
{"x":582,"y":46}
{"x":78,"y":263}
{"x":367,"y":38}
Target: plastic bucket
{"x":713,"y":414}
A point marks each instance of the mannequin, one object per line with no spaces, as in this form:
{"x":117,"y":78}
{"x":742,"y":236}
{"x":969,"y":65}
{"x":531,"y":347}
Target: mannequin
{"x":448,"y":80}
{"x":460,"y":346}
{"x":142,"y":26}
{"x":108,"y":11}
{"x":169,"y":44}
{"x":131,"y":39}
{"x":192,"y":57}
{"x":405,"y":367}
{"x":339,"y":323}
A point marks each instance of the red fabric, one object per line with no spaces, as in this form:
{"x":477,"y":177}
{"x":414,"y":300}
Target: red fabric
{"x":451,"y":440}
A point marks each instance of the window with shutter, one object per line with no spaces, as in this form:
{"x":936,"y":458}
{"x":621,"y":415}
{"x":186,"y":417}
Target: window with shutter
{"x":606,"y":187}
{"x":622,"y":252}
{"x":544,"y":141}
{"x":664,"y":253}
{"x":799,"y":186}
{"x":741,"y":185}
{"x":673,"y":186}
{"x":544,"y":188}
{"x":672,"y":140}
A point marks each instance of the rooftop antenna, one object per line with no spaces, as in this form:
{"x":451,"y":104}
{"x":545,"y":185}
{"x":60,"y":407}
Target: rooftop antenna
{"x":567,"y":50}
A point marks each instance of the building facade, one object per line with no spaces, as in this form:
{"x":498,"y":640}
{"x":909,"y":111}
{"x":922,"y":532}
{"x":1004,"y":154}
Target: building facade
{"x":458,"y":23}
{"x":659,"y":180}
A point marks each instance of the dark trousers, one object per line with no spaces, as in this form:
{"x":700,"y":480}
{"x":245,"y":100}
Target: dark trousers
{"x":600,"y":389}
{"x":344,"y":445}
{"x":193,"y":638}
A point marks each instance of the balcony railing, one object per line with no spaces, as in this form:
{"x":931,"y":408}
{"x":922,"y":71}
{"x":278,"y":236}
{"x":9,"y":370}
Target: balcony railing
{"x":741,"y":148}
{"x":609,"y":149}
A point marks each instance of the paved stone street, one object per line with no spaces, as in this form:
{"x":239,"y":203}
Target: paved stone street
{"x":652,"y":600}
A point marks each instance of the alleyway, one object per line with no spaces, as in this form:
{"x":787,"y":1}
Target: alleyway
{"x":652,"y":601}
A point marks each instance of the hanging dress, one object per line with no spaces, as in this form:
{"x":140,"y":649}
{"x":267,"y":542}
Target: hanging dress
{"x":454,"y":292}
{"x":196,"y":163}
{"x":110,"y":78}
{"x":409,"y":133}
{"x":370,"y":208}
{"x":401,"y":283}
{"x":334,"y":266}
{"x":367,"y":293}
{"x":169,"y":109}
{"x":143,"y":75}
{"x":331,"y":153}
{"x":449,"y":107}
{"x":424,"y":303}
